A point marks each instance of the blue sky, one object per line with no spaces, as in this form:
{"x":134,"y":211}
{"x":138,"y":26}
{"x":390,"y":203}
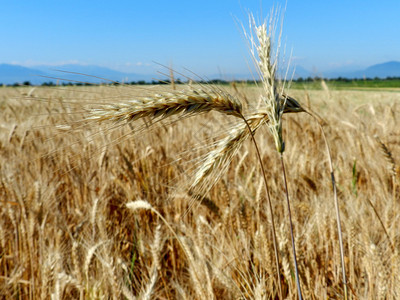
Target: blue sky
{"x":202,"y":36}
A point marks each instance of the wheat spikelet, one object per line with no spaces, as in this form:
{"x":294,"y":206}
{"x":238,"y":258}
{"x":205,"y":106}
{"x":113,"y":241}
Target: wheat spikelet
{"x":207,"y":202}
{"x":76,"y":264}
{"x":194,"y":271}
{"x":218,"y":159}
{"x":267,"y":256}
{"x":139,"y":204}
{"x":93,"y":215}
{"x":150,"y":285}
{"x":180,"y":291}
{"x":161,"y":106}
{"x":266,"y":61}
{"x":127,"y":293}
{"x":388,"y":157}
{"x":89,"y":256}
{"x":286,"y":261}
{"x":260,"y":289}
{"x":155,"y":247}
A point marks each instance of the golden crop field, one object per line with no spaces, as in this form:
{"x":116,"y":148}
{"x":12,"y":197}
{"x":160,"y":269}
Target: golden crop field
{"x":101,"y":210}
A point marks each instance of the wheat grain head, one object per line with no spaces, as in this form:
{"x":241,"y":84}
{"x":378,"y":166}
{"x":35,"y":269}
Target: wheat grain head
{"x":217,"y":160}
{"x":161,"y":106}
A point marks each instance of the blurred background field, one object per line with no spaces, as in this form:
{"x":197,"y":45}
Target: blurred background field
{"x":66,"y":233}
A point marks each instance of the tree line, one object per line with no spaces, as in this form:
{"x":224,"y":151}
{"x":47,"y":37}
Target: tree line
{"x":213,"y":81}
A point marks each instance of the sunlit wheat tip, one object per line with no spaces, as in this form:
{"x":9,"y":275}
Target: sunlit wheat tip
{"x":265,"y":56}
{"x":138,"y":204}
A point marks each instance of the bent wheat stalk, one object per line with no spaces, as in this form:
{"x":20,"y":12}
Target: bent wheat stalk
{"x":218,"y":160}
{"x":291,"y":228}
{"x":321,"y":122}
{"x":339,"y":226}
{"x":275,"y":243}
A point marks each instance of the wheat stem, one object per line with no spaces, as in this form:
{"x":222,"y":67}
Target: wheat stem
{"x":270,"y":208}
{"x":291,"y":229}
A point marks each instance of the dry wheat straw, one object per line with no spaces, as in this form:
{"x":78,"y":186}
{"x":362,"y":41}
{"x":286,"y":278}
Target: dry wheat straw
{"x":141,"y":204}
{"x":88,"y":259}
{"x":320,"y":257}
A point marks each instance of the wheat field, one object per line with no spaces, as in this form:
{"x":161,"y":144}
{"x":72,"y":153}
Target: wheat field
{"x":95,"y":210}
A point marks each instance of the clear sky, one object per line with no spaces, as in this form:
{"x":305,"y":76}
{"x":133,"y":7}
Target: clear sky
{"x":203,"y":36}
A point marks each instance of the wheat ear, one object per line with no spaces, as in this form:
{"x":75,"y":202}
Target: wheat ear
{"x":275,"y":242}
{"x":391,"y":164}
{"x":266,"y":57}
{"x":161,"y":106}
{"x":141,"y":204}
{"x":217,"y":160}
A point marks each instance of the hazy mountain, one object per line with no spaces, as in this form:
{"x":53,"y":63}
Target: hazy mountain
{"x":387,"y":69}
{"x":298,"y":71}
{"x":391,"y":69}
{"x":91,"y":73}
{"x":10,"y":74}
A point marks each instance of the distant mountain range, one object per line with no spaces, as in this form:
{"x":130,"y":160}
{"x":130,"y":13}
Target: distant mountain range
{"x":10,"y":74}
{"x":387,"y":69}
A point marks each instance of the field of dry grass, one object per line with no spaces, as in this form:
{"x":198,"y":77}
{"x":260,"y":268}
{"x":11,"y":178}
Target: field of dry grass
{"x":66,"y":232}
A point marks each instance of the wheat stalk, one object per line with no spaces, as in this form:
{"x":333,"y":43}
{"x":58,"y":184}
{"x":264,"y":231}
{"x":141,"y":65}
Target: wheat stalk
{"x":321,"y":123}
{"x":266,"y":58}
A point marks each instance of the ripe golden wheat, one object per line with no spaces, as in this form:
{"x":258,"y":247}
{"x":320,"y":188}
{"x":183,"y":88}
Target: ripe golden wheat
{"x":72,"y":224}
